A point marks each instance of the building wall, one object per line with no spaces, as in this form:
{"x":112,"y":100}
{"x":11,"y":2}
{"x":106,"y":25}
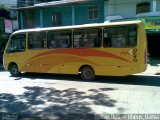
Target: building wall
{"x":158,"y":4}
{"x":37,"y":18}
{"x":127,"y":8}
{"x":80,"y":15}
{"x":116,"y":7}
{"x":66,"y":15}
{"x":24,"y":3}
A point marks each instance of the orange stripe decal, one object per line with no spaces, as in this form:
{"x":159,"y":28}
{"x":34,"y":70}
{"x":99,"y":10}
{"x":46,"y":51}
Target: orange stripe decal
{"x":81,"y":52}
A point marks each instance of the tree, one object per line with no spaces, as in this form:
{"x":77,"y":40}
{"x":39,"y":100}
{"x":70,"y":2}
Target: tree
{"x":4,"y":11}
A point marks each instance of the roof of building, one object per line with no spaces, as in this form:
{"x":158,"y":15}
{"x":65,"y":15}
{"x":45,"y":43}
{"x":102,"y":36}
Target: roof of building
{"x":54,"y":3}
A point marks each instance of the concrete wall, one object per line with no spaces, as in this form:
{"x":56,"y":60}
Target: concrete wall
{"x":80,"y":11}
{"x":126,"y":8}
{"x":66,"y":16}
{"x":158,"y":5}
{"x":80,"y":14}
{"x":37,"y":18}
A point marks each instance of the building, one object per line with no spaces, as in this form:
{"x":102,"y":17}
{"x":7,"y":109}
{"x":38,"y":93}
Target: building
{"x":62,"y":13}
{"x":25,"y":3}
{"x":4,"y":31}
{"x":13,"y":5}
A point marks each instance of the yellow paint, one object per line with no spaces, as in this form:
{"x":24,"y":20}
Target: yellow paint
{"x":29,"y":60}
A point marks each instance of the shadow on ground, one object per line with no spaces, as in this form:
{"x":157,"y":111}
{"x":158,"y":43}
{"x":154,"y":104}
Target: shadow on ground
{"x":153,"y":61}
{"x":68,"y":104}
{"x":44,"y":103}
{"x":141,"y":80}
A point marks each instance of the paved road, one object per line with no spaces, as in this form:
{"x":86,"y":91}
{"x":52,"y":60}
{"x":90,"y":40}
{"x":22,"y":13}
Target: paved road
{"x":47,"y":95}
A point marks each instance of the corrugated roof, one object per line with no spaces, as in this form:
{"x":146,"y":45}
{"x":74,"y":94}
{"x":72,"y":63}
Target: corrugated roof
{"x":54,"y":3}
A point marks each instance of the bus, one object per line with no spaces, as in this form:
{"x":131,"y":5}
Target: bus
{"x":103,"y":49}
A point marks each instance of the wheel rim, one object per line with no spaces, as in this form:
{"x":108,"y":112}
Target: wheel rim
{"x":14,"y":70}
{"x":88,"y":73}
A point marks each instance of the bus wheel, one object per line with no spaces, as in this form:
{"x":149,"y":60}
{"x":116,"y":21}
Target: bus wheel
{"x":87,"y":73}
{"x":14,"y":70}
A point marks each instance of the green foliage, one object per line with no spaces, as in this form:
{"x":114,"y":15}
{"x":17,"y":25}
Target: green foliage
{"x":3,"y":37}
{"x":4,"y":11}
{"x":1,"y":29}
{"x":4,"y":7}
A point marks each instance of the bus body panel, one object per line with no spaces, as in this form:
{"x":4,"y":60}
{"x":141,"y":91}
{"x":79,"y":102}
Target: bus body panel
{"x":113,"y":63}
{"x":104,"y":61}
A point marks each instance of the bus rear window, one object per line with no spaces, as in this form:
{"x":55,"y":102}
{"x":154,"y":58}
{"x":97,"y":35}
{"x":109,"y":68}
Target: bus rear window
{"x":120,"y":36}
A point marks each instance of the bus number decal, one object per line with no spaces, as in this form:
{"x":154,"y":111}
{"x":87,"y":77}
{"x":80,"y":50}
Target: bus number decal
{"x":135,"y":55}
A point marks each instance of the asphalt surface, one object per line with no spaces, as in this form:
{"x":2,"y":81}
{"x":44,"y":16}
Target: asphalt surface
{"x":50,"y":95}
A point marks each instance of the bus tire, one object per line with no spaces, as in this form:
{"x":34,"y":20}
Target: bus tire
{"x":14,"y":71}
{"x":87,"y":73}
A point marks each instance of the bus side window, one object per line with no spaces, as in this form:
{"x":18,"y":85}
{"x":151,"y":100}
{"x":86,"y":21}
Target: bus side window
{"x":64,"y":43}
{"x":107,"y":42}
{"x":59,"y":39}
{"x":52,"y":44}
{"x":37,"y":40}
{"x":82,"y":40}
{"x":87,"y":38}
{"x":30,"y":43}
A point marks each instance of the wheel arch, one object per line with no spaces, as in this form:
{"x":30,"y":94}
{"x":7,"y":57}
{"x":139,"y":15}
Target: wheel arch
{"x":10,"y":64}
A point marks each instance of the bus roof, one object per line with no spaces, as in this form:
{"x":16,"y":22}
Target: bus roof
{"x":78,"y":26}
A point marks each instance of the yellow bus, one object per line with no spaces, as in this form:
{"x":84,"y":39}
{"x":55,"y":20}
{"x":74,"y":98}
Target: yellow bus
{"x":108,"y":49}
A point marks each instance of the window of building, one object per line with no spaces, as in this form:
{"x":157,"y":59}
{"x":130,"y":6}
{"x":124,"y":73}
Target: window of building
{"x":93,"y":12}
{"x":59,"y":39}
{"x":29,"y":16}
{"x":120,"y":36}
{"x":17,"y":43}
{"x":87,"y":38}
{"x":21,"y":3}
{"x":57,"y":19}
{"x":143,"y":7}
{"x":37,"y":40}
